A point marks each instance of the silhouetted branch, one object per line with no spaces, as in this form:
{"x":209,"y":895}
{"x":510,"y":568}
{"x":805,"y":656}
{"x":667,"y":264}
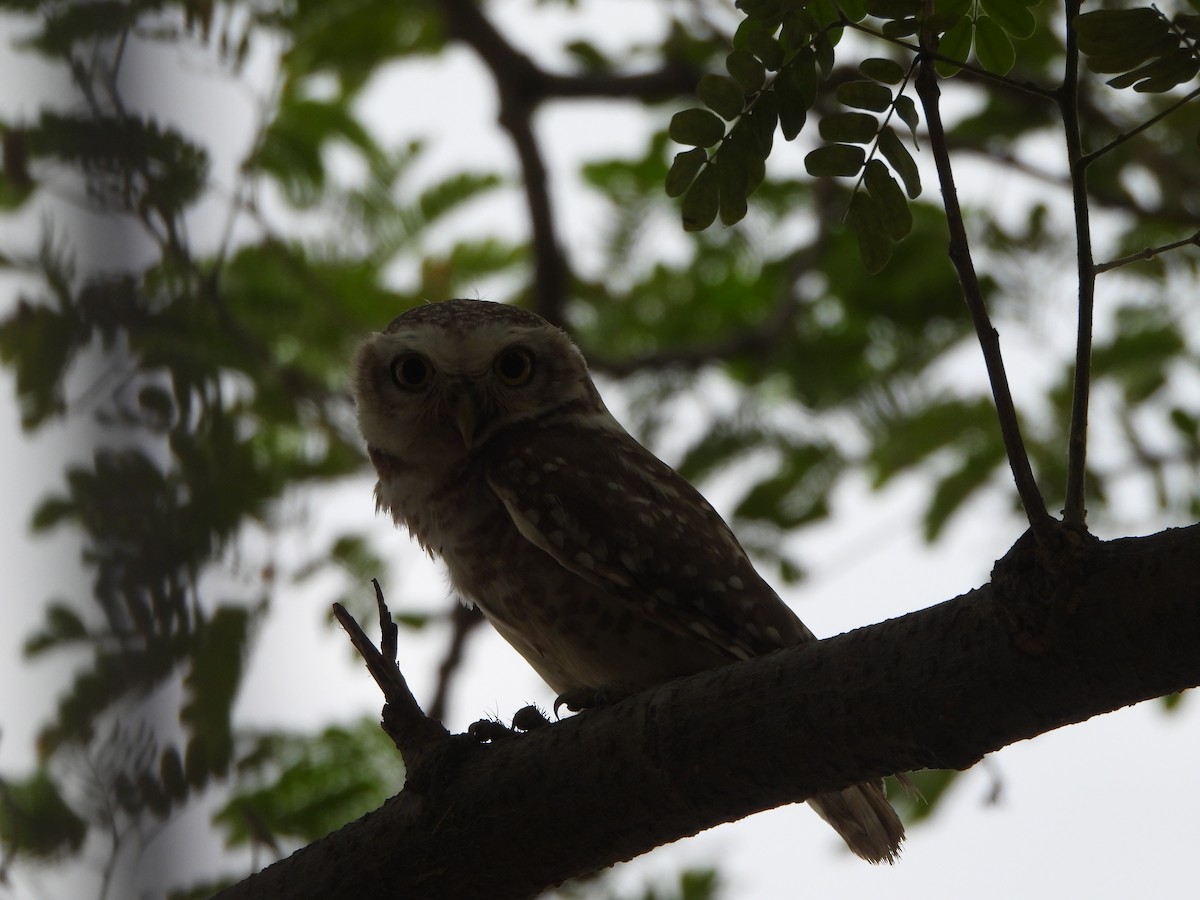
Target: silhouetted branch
{"x":1075,"y":509}
{"x":989,"y":341}
{"x":416,"y":735}
{"x":1042,"y":646}
{"x":522,"y":86}
{"x":463,"y":621}
{"x":1148,"y":253}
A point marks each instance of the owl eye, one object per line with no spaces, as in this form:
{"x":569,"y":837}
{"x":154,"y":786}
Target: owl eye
{"x":411,"y":372}
{"x":514,"y":366}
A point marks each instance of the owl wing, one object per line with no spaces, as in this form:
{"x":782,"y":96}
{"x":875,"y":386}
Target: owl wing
{"x":610,"y":511}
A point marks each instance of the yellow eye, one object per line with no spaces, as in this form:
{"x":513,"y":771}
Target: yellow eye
{"x":514,"y":366}
{"x":411,"y":372}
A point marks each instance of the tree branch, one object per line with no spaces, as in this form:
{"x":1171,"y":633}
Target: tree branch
{"x":989,"y":341}
{"x":416,"y":735}
{"x":1040,"y":647}
{"x":463,"y":621}
{"x":1148,"y":253}
{"x":1075,"y":508}
{"x":522,"y":86}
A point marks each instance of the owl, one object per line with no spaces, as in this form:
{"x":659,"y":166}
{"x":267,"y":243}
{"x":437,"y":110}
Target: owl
{"x":605,"y":569}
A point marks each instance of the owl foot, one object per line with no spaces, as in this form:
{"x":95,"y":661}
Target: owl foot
{"x":525,"y":720}
{"x":529,"y":718}
{"x":489,"y":731}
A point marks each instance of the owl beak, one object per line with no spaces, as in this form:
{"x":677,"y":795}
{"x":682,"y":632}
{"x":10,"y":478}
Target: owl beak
{"x":466,"y":419}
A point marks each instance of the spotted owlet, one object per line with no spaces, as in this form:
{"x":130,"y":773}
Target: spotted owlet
{"x":602,"y":566}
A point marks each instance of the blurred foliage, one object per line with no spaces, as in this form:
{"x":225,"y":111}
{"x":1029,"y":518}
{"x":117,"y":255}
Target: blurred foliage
{"x":301,"y":787}
{"x":208,"y":372}
{"x":693,"y":884}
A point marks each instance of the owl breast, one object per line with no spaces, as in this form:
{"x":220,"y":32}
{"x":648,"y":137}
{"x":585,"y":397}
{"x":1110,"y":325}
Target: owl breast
{"x":576,"y":634}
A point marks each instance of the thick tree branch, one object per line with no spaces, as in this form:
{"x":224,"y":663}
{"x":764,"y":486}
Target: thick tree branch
{"x":1047,"y":643}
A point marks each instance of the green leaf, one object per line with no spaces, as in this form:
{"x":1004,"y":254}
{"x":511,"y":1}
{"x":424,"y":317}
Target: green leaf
{"x":874,"y":246}
{"x":849,"y":128}
{"x":1014,"y":17}
{"x":955,"y":8}
{"x":853,"y":10}
{"x":887,"y":71}
{"x":684,"y":169}
{"x":864,"y":95}
{"x":1101,"y":30}
{"x":292,"y":146}
{"x":796,"y":493}
{"x":956,"y":45}
{"x":763,"y":45}
{"x":892,"y":9}
{"x":51,"y":512}
{"x":63,"y":626}
{"x":796,"y":88}
{"x":722,"y":95}
{"x":733,"y":187}
{"x":925,"y":790}
{"x":217,"y":660}
{"x":762,"y":120}
{"x":912,"y":437}
{"x":702,"y":201}
{"x":835,"y":160}
{"x":906,"y":109}
{"x":1160,"y":75}
{"x":746,"y":70}
{"x":993,"y":47}
{"x":891,"y":206}
{"x":823,"y":47}
{"x":696,"y":128}
{"x":1139,"y":354}
{"x":901,"y":161}
{"x":444,"y":197}
{"x":35,"y":820}
{"x":72,"y":24}
{"x":798,"y":30}
{"x":302,"y":787}
{"x":954,"y":489}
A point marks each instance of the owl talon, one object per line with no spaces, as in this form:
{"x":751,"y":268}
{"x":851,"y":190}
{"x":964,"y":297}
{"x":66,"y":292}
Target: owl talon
{"x":586,"y":698}
{"x":489,"y":731}
{"x":529,"y":718}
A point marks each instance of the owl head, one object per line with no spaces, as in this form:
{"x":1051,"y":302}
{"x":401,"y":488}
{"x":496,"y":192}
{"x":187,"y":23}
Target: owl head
{"x":443,"y":378}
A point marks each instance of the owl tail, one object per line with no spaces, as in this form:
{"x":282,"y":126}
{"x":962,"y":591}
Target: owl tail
{"x":864,"y":819}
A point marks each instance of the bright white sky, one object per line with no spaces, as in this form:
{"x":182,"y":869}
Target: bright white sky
{"x":1101,"y":810}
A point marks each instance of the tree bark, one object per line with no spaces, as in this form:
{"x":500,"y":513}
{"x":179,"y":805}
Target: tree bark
{"x":1055,"y":638}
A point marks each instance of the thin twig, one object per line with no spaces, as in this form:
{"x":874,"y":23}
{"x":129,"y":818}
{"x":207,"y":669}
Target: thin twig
{"x":415,"y":734}
{"x":1147,"y":253}
{"x":1075,"y":510}
{"x":463,"y":621}
{"x":1089,"y":158}
{"x":989,"y":341}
